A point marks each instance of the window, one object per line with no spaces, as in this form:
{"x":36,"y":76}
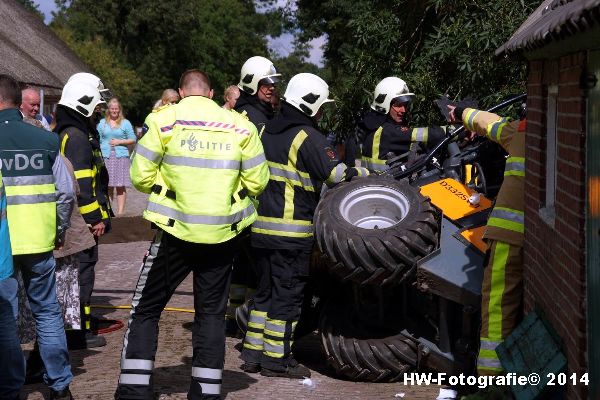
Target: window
{"x":547,"y":212}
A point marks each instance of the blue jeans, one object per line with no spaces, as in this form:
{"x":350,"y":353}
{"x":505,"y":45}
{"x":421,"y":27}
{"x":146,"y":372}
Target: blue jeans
{"x":12,"y":363}
{"x":40,"y":285}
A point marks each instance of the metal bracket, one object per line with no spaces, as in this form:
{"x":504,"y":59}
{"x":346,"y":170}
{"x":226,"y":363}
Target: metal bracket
{"x":588,"y":80}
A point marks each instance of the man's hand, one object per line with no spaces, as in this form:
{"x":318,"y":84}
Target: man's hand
{"x":98,"y":229}
{"x":452,"y":118}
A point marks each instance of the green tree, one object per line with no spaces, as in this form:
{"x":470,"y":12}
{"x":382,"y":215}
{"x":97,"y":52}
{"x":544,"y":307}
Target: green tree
{"x":161,"y":39}
{"x":108,"y":64}
{"x":31,"y":6}
{"x":437,"y":46}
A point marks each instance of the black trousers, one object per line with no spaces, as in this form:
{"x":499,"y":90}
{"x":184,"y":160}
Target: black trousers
{"x":282,"y":276}
{"x":87,"y":276}
{"x":243,"y":277}
{"x":165,"y":266}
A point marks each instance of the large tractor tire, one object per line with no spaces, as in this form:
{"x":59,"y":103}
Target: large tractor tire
{"x":374,"y":230}
{"x":355,"y":356}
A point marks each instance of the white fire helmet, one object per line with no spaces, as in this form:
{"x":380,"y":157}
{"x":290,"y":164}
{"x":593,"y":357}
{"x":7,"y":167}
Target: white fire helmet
{"x":307,"y":92}
{"x":257,"y":71}
{"x":388,"y":90}
{"x":80,"y":96}
{"x":93,"y":80}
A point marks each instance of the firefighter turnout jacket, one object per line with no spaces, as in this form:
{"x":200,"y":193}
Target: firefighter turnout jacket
{"x":201,"y":165}
{"x":506,"y":221}
{"x":258,"y":112}
{"x":79,"y":142}
{"x":300,"y":161}
{"x":384,"y":136}
{"x":39,"y":189}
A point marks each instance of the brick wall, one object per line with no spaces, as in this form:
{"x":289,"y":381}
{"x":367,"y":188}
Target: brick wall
{"x":554,"y":274}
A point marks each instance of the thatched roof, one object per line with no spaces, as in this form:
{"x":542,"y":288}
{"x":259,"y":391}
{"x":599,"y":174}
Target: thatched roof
{"x":553,"y":20}
{"x":31,"y":52}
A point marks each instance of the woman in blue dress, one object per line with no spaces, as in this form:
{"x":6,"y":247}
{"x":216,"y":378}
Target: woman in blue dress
{"x":116,"y":133}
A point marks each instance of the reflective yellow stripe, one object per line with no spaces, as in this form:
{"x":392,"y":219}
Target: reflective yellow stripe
{"x":274,"y":333}
{"x":376,"y":143}
{"x":84,"y":173}
{"x":500,"y":257}
{"x":89,"y":208}
{"x":288,"y":210}
{"x":515,"y":166}
{"x":469,"y":118}
{"x":63,"y":143}
{"x":30,"y":189}
{"x":494,"y":130}
{"x":506,"y":218}
{"x":296,"y":143}
{"x":283,"y":227}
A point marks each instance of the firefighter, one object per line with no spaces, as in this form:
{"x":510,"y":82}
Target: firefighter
{"x":300,"y":160}
{"x":81,"y":145}
{"x":503,"y":276}
{"x":257,"y":87}
{"x":257,"y":91}
{"x":201,"y":165}
{"x":384,"y":130}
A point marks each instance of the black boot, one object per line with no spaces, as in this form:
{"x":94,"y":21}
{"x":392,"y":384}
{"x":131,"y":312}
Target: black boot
{"x":92,"y":340}
{"x":64,"y":394}
{"x":293,"y":370}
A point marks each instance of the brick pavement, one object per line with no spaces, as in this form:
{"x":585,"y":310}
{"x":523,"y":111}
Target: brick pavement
{"x":96,"y":370}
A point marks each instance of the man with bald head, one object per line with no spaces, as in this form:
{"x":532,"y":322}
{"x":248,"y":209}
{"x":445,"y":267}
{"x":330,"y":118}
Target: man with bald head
{"x":30,"y":106}
{"x":201,"y":165}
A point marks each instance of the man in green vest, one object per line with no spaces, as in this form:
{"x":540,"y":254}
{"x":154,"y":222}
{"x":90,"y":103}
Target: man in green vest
{"x":12,"y":363}
{"x":40,"y":197}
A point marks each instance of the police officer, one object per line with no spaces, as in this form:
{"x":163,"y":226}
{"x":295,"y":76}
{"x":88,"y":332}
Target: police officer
{"x":201,"y":165}
{"x":384,"y":130}
{"x":257,"y":92}
{"x":40,"y":197}
{"x":300,"y":160}
{"x":502,"y":291}
{"x":80,"y":144}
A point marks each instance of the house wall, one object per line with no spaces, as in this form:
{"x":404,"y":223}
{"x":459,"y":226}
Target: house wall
{"x":554,"y":273}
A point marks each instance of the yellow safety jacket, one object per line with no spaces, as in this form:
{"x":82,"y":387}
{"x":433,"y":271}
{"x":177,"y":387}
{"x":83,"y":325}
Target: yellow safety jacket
{"x":27,"y":157}
{"x":506,"y":221}
{"x":201,"y":165}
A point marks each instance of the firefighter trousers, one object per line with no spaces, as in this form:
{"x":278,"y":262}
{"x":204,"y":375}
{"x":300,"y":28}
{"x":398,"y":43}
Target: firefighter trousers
{"x":282,"y":276}
{"x":501,"y":300}
{"x":243,"y":278}
{"x":167,"y":263}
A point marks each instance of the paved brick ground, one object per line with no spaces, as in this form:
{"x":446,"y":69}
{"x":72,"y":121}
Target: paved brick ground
{"x":96,"y":371}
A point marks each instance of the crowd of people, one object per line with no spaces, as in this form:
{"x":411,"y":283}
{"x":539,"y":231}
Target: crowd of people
{"x":249,"y":237}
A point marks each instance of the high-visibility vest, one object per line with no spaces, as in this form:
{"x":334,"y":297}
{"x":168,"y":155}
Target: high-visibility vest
{"x":27,"y":155}
{"x":201,"y":165}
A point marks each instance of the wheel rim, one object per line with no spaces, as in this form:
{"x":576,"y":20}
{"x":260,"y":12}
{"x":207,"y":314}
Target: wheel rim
{"x":374,"y":207}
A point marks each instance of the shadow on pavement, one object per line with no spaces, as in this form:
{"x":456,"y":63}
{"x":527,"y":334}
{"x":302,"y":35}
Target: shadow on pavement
{"x":176,"y":379}
{"x":76,"y":358}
